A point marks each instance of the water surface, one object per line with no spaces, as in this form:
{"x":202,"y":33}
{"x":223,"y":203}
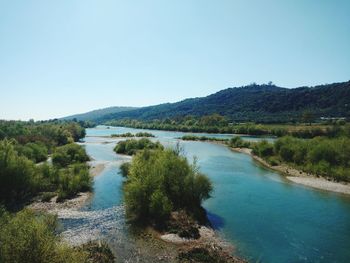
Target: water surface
{"x":267,"y":218}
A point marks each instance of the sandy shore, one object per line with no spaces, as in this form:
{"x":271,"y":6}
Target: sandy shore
{"x":300,"y":177}
{"x":97,"y":167}
{"x":207,"y":236}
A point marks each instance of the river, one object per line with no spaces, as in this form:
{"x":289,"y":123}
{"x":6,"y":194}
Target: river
{"x":266,"y":217}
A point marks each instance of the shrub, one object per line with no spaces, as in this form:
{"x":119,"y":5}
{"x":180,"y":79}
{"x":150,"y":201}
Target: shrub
{"x":124,"y":169}
{"x":69,"y":154}
{"x":27,"y":237}
{"x":263,"y":149}
{"x":161,"y":181}
{"x":238,"y":142}
{"x":144,"y":134}
{"x":37,"y":152}
{"x":18,"y":179}
{"x":131,"y":146}
{"x":46,"y":197}
{"x":72,"y":180}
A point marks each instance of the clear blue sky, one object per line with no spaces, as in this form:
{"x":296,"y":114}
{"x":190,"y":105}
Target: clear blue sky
{"x":63,"y":57}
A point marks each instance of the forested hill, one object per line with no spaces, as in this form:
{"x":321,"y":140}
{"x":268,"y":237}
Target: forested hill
{"x":259,"y":103}
{"x":95,"y":114}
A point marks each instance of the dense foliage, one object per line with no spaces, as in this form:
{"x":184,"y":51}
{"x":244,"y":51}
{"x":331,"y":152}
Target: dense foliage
{"x":218,"y":124}
{"x":25,"y":143}
{"x":21,"y":179}
{"x":31,"y":238}
{"x":259,"y":103}
{"x":96,"y":114}
{"x":201,"y":138}
{"x":132,"y":146}
{"x":129,"y":134}
{"x":27,"y":237}
{"x":238,"y":142}
{"x":162,"y":181}
{"x":50,"y":133}
{"x":320,"y":156}
{"x":69,"y":154}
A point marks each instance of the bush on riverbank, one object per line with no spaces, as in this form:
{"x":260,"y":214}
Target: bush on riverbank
{"x":31,"y":237}
{"x":21,"y":179}
{"x":320,"y":156}
{"x":131,"y":146}
{"x":202,"y":138}
{"x":124,"y":169}
{"x":72,"y":180}
{"x":27,"y":237}
{"x":69,"y":154}
{"x":144,"y":134}
{"x":238,"y":142}
{"x":129,"y":134}
{"x":162,"y":181}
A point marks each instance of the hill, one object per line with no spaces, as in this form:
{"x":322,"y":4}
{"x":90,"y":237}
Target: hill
{"x":259,"y":103}
{"x":96,"y":114}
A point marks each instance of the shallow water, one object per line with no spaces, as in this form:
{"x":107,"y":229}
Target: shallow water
{"x":267,"y":218}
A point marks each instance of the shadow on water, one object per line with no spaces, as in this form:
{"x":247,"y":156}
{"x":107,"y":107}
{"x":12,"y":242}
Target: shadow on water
{"x":216,"y":221}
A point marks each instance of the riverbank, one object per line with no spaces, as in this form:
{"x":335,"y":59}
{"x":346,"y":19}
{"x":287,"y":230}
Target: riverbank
{"x":209,"y":244}
{"x":54,"y":207}
{"x":300,"y":177}
{"x":75,"y":203}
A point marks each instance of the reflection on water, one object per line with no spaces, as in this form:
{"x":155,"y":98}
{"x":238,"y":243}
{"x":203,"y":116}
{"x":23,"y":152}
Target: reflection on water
{"x":266,"y":217}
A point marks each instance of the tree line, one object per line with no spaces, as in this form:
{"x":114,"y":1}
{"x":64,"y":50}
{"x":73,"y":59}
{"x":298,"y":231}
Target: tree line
{"x":216,"y":123}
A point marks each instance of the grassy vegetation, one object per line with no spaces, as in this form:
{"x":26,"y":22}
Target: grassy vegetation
{"x":25,"y":145}
{"x":48,"y":133}
{"x":328,"y":157}
{"x":69,"y":154}
{"x":201,"y":138}
{"x":132,"y":146}
{"x":31,"y":237}
{"x":218,"y":124}
{"x":160,"y":182}
{"x":28,"y":237}
{"x":21,"y":179}
{"x":238,"y":142}
{"x":129,"y":134}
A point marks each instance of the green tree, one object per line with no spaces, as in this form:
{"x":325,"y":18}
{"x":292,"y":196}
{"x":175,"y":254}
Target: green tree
{"x":27,"y":237}
{"x":307,"y":117}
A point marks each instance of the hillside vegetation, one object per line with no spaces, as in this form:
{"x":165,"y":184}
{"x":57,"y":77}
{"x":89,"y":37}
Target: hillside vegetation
{"x":95,"y":114}
{"x":259,"y":103}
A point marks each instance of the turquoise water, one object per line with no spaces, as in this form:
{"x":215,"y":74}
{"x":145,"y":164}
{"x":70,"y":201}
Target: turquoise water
{"x":103,"y":131}
{"x":267,"y":218}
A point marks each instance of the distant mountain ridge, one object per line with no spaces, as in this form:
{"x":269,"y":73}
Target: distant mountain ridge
{"x":259,"y":103}
{"x":95,"y":114}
